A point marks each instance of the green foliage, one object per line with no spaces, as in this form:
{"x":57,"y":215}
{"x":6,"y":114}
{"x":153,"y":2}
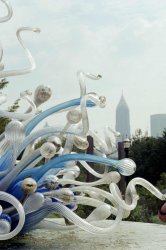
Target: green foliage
{"x":15,"y":106}
{"x":146,"y":208}
{"x":84,"y":211}
{"x":161,"y":184}
{"x":149,"y":155}
{"x":3,"y":83}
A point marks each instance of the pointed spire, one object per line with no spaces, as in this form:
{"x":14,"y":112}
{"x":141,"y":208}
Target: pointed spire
{"x":122,"y":118}
{"x":122,"y":102}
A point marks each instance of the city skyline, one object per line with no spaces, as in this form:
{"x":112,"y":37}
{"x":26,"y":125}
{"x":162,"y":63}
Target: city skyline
{"x":124,"y":41}
{"x":123,"y":119}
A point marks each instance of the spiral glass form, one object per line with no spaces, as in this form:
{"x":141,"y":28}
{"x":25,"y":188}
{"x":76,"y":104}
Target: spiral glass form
{"x":38,"y":181}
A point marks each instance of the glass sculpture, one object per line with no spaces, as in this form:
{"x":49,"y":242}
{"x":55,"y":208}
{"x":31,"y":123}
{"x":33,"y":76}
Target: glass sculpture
{"x":31,"y":190}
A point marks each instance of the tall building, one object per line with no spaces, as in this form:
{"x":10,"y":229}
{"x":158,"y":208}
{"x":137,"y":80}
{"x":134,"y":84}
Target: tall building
{"x":123,"y":119}
{"x":157,"y":124}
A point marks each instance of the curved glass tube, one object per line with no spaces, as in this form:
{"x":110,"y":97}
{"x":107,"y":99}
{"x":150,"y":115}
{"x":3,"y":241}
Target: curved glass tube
{"x":70,"y":215}
{"x":100,"y":192}
{"x":9,"y":10}
{"x":42,"y":134}
{"x":81,"y":78}
{"x":9,"y":178}
{"x":14,"y":134}
{"x":49,"y":224}
{"x":131,"y":189}
{"x":6,"y":161}
{"x":106,"y":146}
{"x":26,"y":96}
{"x":59,"y":162}
{"x":33,"y":202}
{"x":33,"y":218}
{"x":4,"y":74}
{"x":106,"y":179}
{"x":17,"y":205}
{"x":73,"y":117}
{"x":102,"y":212}
{"x":85,"y":122}
{"x":117,"y":196}
{"x":28,"y":140}
{"x":60,"y":107}
{"x":68,"y":144}
{"x":91,"y":170}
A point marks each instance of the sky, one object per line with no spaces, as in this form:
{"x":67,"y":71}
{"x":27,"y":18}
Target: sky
{"x":122,"y":40}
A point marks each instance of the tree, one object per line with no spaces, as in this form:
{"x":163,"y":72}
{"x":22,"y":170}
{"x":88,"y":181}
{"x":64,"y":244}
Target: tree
{"x":149,"y":155}
{"x":3,"y":83}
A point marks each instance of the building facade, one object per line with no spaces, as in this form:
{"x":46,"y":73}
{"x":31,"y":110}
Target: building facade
{"x":123,"y":119}
{"x":157,"y":124}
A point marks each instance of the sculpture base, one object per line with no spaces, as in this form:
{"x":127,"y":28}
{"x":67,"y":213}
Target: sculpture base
{"x":129,"y":235}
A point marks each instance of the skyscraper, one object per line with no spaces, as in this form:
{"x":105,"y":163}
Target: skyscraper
{"x":123,"y":119}
{"x":157,"y":124}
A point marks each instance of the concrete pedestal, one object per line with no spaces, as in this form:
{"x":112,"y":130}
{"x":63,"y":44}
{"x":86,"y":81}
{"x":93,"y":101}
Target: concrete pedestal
{"x":129,"y":235}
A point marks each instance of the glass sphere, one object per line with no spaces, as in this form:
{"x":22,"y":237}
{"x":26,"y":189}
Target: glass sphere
{"x":14,"y":131}
{"x":42,"y":94}
{"x":74,"y":116}
{"x":115,"y":176}
{"x":56,"y":141}
{"x":126,"y":166}
{"x":29,"y":185}
{"x":81,"y":142}
{"x":76,"y":171}
{"x":69,"y":175}
{"x":48,"y":150}
{"x":102,"y":100}
{"x":66,"y":195}
{"x":51,"y":181}
{"x":5,"y":226}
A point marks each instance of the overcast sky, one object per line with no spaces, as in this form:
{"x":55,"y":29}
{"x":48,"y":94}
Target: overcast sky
{"x":123,"y":40}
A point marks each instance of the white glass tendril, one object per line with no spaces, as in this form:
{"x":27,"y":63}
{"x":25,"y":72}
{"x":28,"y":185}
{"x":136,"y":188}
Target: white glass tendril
{"x":48,"y":150}
{"x":14,"y":134}
{"x":17,"y":205}
{"x":98,"y":100}
{"x":73,"y":117}
{"x":28,"y":53}
{"x":26,"y":96}
{"x":9,"y":12}
{"x":81,"y":78}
